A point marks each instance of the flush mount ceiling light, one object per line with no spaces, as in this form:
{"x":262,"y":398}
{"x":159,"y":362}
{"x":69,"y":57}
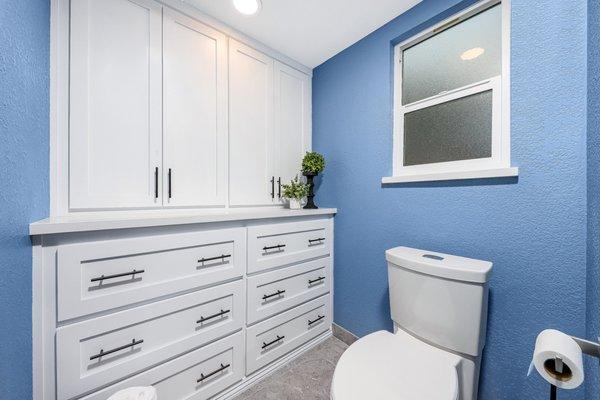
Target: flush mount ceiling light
{"x":472,"y":54}
{"x":247,"y":7}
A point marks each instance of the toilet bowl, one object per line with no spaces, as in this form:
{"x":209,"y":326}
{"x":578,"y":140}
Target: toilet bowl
{"x":439,"y":308}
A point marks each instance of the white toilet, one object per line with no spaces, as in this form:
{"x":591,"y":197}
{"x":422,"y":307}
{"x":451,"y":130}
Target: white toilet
{"x":439,"y":307}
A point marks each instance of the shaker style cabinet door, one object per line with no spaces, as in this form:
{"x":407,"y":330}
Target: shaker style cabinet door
{"x":115,"y":104}
{"x":195,"y":113}
{"x":251,"y":168}
{"x":292,"y":120}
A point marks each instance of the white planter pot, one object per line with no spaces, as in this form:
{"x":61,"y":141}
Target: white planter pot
{"x":295,"y":204}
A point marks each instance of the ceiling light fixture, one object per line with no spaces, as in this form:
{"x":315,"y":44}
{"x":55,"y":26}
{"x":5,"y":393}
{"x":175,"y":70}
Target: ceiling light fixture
{"x":472,"y":54}
{"x":247,"y":7}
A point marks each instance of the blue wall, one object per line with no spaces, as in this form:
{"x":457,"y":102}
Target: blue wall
{"x":24,"y":70}
{"x":533,"y":228}
{"x":593,"y":153}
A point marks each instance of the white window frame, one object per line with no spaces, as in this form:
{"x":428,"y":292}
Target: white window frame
{"x":498,"y":165}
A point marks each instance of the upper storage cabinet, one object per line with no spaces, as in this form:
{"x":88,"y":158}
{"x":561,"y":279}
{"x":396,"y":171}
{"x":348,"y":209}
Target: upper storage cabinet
{"x":167,"y":112}
{"x":115,"y":103}
{"x":195,"y":113}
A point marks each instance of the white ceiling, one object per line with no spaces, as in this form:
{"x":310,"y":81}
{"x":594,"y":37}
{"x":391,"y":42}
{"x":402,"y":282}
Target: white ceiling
{"x":308,"y":31}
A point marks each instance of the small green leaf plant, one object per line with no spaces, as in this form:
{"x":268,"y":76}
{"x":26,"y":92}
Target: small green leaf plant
{"x":313,"y":163}
{"x":295,"y":189}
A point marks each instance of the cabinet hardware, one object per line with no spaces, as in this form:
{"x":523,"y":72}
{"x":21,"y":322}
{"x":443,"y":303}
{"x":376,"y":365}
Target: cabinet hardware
{"x":319,"y":317}
{"x":219,"y":314}
{"x":216,"y":371}
{"x":272,"y":187}
{"x":319,"y":240}
{"x":279,"y":338}
{"x":127,"y":346}
{"x":222,"y":257}
{"x":156,"y":183}
{"x":105,"y":277}
{"x":277,"y":293}
{"x":277,"y":246}
{"x":279,"y":187}
{"x":319,"y":279}
{"x":169,"y":184}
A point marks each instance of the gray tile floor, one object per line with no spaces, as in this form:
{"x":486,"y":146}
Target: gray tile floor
{"x":308,"y":377}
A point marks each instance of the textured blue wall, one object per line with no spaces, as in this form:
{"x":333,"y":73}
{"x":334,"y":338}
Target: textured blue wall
{"x":24,"y":70}
{"x":533,"y":228}
{"x":593,"y":153}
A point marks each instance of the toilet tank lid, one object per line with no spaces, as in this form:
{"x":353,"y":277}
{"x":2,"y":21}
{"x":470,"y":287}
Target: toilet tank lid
{"x":440,"y":264}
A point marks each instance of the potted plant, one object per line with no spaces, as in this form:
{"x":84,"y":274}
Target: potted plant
{"x":313,"y":163}
{"x":295,"y":191}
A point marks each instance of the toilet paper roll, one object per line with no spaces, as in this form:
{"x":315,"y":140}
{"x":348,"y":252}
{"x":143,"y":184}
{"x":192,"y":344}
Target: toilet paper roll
{"x":551,"y":344}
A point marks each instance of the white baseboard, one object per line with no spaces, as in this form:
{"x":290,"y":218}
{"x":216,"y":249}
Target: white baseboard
{"x":258,"y":376}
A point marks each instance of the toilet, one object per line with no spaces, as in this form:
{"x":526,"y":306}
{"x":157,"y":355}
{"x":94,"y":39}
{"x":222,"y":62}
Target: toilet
{"x":439,"y":308}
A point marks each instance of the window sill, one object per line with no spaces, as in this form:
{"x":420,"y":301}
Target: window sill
{"x":456,"y":175}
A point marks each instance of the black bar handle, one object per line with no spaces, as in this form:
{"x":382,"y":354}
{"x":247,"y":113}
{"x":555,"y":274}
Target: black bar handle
{"x":320,"y":317}
{"x":279,"y":189}
{"x":279,"y":338}
{"x":156,"y":183}
{"x":216,"y":371}
{"x":268,"y":296}
{"x":222,"y":257}
{"x":105,"y":277}
{"x":273,"y":187}
{"x":219,"y":314}
{"x":277,"y":246}
{"x":127,"y":346}
{"x":319,"y":279}
{"x":315,"y":240}
{"x":170,"y":185}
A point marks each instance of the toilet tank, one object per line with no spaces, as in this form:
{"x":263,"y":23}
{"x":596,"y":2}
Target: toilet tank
{"x":440,"y":298}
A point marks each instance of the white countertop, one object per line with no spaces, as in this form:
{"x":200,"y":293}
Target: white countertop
{"x":101,"y":221}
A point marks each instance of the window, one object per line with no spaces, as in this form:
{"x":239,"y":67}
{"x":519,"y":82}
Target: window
{"x":451,"y":99}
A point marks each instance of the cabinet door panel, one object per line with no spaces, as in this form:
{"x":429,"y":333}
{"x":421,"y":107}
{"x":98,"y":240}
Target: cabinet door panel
{"x":250,"y":126}
{"x":195,"y":112}
{"x":115,"y":103}
{"x":292,"y":120}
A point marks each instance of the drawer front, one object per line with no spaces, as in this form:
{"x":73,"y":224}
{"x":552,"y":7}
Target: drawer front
{"x":100,"y":351}
{"x":271,"y":246}
{"x":98,"y":276}
{"x":275,"y":337}
{"x":277,"y":291}
{"x":197,"y":375}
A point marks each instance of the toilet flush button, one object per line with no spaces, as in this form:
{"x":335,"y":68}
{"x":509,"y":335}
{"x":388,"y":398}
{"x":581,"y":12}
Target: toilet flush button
{"x":433,"y":257}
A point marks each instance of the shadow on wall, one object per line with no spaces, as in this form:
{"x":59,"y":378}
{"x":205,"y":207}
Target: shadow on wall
{"x":454,"y":183}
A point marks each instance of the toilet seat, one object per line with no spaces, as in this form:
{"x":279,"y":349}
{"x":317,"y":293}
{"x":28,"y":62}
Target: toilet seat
{"x":386,"y":366}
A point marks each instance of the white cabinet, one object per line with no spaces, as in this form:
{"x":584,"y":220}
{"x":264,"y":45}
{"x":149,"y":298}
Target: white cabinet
{"x":195,"y":113}
{"x":292,"y":120}
{"x":115,"y":103}
{"x":251,"y":169}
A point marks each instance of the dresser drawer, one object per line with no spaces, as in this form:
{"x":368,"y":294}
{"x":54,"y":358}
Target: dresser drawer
{"x":102,"y":275}
{"x":102,"y":350}
{"x":275,"y":337}
{"x":197,"y":375}
{"x":275,"y":245}
{"x":276,"y":291}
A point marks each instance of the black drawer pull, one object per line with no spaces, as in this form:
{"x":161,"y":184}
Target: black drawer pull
{"x":311,"y":241}
{"x":319,"y":279}
{"x":272,"y":342}
{"x":222,"y":257}
{"x":320,"y":317}
{"x":219,"y":314}
{"x":277,"y":246}
{"x":105,"y":277}
{"x":127,"y":346}
{"x":273,"y":187}
{"x":216,"y":371}
{"x":277,"y":293}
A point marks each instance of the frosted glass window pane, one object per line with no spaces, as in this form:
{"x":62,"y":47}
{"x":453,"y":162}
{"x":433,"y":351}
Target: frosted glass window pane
{"x":468,"y":52}
{"x":457,"y":130}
